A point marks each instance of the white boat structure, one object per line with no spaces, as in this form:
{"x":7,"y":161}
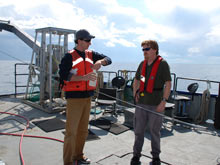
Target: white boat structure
{"x":32,"y":123}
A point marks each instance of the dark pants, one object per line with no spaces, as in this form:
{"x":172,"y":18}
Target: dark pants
{"x":142,"y":119}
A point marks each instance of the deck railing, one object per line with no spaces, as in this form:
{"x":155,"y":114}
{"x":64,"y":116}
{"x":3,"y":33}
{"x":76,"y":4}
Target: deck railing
{"x":19,"y":74}
{"x":197,"y":80}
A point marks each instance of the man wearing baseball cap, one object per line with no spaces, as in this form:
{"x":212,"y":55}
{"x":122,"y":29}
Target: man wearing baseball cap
{"x":83,"y":34}
{"x":76,"y":70}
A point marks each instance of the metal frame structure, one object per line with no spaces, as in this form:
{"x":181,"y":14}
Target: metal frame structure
{"x":52,"y":46}
{"x":44,"y":59}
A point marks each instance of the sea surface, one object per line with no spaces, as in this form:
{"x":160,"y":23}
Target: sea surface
{"x":194,"y":71}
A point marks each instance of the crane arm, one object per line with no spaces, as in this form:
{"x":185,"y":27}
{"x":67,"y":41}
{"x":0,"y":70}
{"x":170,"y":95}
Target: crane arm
{"x":26,"y":38}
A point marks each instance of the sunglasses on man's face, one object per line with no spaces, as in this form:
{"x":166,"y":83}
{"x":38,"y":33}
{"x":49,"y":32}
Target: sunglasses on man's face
{"x":86,"y":40}
{"x":146,"y":49}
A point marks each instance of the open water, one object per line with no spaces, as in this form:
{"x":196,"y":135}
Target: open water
{"x":195,"y":71}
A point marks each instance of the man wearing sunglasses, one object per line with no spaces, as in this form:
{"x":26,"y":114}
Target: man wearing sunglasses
{"x":76,"y":71}
{"x":151,"y":89}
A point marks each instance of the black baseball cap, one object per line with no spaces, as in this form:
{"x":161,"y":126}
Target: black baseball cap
{"x":83,"y":34}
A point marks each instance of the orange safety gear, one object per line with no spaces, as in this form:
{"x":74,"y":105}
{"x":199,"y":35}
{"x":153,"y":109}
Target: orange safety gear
{"x":80,"y":67}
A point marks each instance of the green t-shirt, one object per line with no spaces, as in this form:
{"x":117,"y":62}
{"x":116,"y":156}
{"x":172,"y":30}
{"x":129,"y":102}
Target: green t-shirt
{"x":163,"y":75}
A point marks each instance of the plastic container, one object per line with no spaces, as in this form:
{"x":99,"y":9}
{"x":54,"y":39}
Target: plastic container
{"x":93,"y":83}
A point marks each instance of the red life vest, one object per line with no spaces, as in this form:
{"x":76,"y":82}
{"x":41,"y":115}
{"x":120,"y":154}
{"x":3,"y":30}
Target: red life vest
{"x":80,"y":67}
{"x":150,"y":83}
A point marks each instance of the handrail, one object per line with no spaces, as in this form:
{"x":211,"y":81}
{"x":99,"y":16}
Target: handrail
{"x":124,"y":73}
{"x":109,"y":75}
{"x":109,"y":72}
{"x":194,"y":79}
{"x":19,"y":74}
{"x":197,"y":79}
{"x":174,"y":81}
{"x":131,"y":71}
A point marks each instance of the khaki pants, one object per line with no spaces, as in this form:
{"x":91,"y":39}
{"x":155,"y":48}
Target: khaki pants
{"x":77,"y":119}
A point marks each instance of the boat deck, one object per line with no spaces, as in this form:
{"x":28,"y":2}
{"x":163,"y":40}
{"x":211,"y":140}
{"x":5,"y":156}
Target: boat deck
{"x":180,"y":145}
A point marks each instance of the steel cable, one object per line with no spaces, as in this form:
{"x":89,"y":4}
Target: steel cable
{"x":157,"y":113}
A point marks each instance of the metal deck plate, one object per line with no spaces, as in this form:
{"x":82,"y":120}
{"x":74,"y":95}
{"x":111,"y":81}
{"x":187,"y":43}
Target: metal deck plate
{"x":10,"y":126}
{"x":117,"y":160}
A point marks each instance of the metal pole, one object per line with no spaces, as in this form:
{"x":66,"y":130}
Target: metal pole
{"x":50,"y":71}
{"x":30,"y":66}
{"x":60,"y":53}
{"x":218,"y":89}
{"x":15,"y":81}
{"x":42,"y":68}
{"x":65,"y":43}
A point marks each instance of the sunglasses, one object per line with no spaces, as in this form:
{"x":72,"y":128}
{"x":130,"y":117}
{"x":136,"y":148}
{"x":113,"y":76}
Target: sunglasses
{"x":146,"y":49}
{"x":86,"y":40}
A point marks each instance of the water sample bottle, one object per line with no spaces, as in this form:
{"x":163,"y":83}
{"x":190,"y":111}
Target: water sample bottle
{"x":93,"y":83}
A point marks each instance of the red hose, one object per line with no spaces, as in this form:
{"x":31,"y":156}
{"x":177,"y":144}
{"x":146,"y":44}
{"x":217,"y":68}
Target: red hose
{"x":33,"y":136}
{"x":22,"y":135}
{"x":20,"y":143}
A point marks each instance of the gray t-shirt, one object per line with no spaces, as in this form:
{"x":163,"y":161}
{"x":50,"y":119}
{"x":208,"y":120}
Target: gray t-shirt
{"x":163,"y":75}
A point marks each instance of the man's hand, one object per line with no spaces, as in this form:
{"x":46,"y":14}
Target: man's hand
{"x":98,"y":64}
{"x":161,"y":106}
{"x":136,"y":97}
{"x":136,"y":86}
{"x":90,"y":76}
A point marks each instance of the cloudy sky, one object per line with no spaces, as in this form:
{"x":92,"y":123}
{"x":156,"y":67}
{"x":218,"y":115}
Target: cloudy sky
{"x":188,"y":31}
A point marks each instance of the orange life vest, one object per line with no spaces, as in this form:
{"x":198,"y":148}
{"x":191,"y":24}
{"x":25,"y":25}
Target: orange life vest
{"x":151,"y":79}
{"x":80,"y":67}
